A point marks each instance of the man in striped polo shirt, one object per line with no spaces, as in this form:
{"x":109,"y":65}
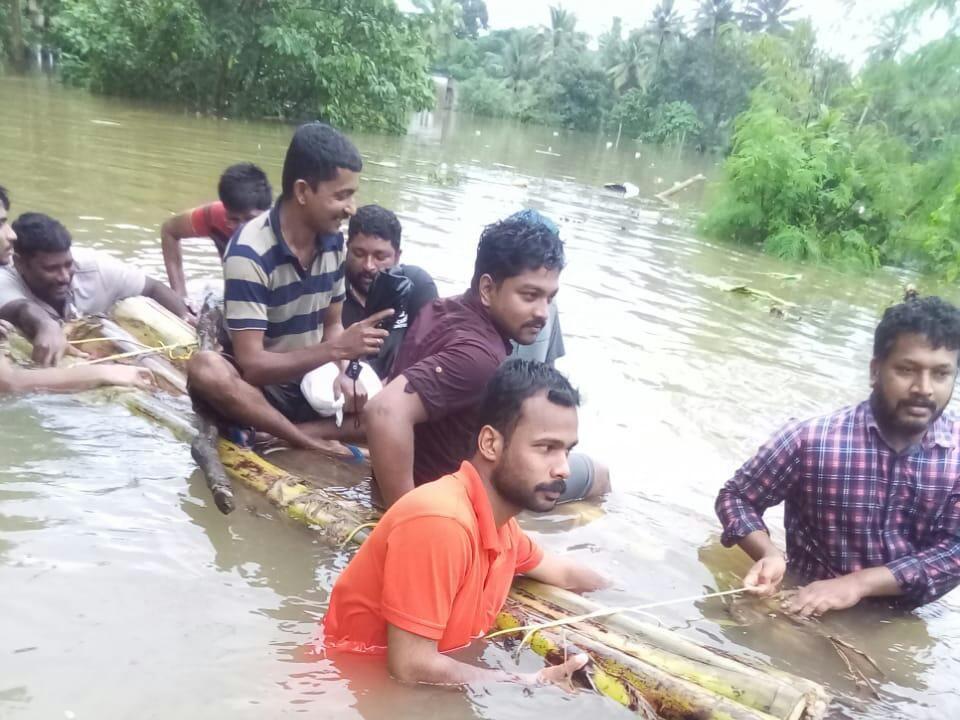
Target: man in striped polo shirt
{"x":283,"y":293}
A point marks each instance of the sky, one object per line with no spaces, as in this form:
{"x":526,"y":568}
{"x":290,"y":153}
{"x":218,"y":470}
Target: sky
{"x":845,"y":28}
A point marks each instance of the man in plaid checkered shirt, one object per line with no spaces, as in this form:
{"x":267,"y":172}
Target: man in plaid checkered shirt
{"x":871,"y":492}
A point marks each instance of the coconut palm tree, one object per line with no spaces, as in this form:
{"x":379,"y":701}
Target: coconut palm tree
{"x":520,"y":59}
{"x":633,"y":69}
{"x":769,"y":16}
{"x":665,"y":26}
{"x":610,"y":44}
{"x":563,"y":25}
{"x":890,"y":37}
{"x":713,"y":14}
{"x":446,"y":21}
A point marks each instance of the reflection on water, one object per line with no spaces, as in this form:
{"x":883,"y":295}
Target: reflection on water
{"x":131,"y":595}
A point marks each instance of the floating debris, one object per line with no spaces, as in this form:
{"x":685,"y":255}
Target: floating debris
{"x":628,"y":190}
{"x":548,"y":151}
{"x":107,"y":123}
{"x":382,"y":163}
{"x":783,"y":276}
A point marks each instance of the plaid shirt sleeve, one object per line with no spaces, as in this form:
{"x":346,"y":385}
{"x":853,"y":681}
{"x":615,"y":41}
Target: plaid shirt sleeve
{"x":762,"y":482}
{"x":935,"y":571}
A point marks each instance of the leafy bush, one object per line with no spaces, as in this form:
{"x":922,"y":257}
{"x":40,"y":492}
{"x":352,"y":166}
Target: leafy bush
{"x":487,"y":96}
{"x":360,"y":64}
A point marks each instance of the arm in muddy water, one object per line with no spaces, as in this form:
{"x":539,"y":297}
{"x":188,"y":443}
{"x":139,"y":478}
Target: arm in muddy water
{"x":415,"y":659}
{"x":769,"y":567}
{"x":70,"y":379}
{"x":843,"y":592}
{"x":49,"y":341}
{"x":568,"y":574}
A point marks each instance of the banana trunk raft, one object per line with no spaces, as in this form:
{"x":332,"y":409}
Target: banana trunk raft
{"x":653,"y":671}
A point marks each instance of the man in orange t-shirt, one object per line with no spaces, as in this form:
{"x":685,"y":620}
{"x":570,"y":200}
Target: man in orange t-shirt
{"x":244,"y":192}
{"x":436,"y":570}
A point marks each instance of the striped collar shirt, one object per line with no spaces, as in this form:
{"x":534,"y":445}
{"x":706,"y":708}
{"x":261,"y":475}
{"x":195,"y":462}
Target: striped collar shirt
{"x":851,"y":502}
{"x":266,"y":288}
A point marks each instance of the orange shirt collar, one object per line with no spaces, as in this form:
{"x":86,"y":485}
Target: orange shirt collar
{"x":490,"y":537}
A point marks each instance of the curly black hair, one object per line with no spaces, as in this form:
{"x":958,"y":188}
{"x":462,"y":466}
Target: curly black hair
{"x":514,"y":382}
{"x":376,"y":221}
{"x":934,"y":318}
{"x":514,"y":246}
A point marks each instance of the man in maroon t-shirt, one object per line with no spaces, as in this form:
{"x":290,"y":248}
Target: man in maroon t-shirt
{"x":421,"y":425}
{"x":244,"y":192}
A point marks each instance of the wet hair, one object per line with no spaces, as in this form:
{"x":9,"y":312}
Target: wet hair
{"x":514,"y":246}
{"x":378,"y":221}
{"x":315,"y":153}
{"x":39,"y":233}
{"x":934,"y":318}
{"x":244,"y":187}
{"x":514,"y":382}
{"x":4,"y":198}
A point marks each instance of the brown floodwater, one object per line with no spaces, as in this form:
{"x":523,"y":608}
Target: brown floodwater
{"x":126,"y":594}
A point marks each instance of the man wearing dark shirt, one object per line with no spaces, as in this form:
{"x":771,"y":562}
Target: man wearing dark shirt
{"x":373,"y":245}
{"x":871,"y":492}
{"x":421,"y":425}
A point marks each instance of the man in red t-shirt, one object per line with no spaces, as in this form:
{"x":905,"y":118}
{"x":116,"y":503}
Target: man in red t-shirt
{"x":436,"y":570}
{"x":244,"y":192}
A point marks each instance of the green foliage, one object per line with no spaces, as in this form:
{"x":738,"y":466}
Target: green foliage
{"x":856,"y":171}
{"x":359,"y":64}
{"x":484,"y":95}
{"x":692,"y":82}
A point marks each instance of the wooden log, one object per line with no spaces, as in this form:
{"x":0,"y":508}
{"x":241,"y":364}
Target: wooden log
{"x":678,"y":187}
{"x":569,"y":604}
{"x":626,"y":678}
{"x":733,"y":681}
{"x":205,"y":446}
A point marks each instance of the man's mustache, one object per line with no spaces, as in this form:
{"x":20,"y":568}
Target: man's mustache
{"x":557,"y":487}
{"x":926,"y":404}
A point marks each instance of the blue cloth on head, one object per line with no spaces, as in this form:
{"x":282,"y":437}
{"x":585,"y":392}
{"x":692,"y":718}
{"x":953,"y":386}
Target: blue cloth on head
{"x":535,"y":218}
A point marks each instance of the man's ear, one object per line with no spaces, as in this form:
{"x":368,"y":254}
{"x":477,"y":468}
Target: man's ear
{"x":874,"y":371}
{"x":300,"y":188}
{"x":487,"y":287}
{"x":490,"y":444}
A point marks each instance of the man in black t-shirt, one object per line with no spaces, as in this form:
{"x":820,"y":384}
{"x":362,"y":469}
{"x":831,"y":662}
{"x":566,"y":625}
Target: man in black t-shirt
{"x":373,"y":245}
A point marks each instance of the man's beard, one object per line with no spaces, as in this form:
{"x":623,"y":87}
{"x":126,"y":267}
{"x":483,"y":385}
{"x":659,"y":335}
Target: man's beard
{"x":360,"y":282}
{"x":526,"y":499}
{"x":888,"y":418}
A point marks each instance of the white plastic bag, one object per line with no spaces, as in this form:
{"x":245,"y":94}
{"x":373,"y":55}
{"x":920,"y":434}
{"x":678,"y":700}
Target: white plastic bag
{"x":317,"y":388}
